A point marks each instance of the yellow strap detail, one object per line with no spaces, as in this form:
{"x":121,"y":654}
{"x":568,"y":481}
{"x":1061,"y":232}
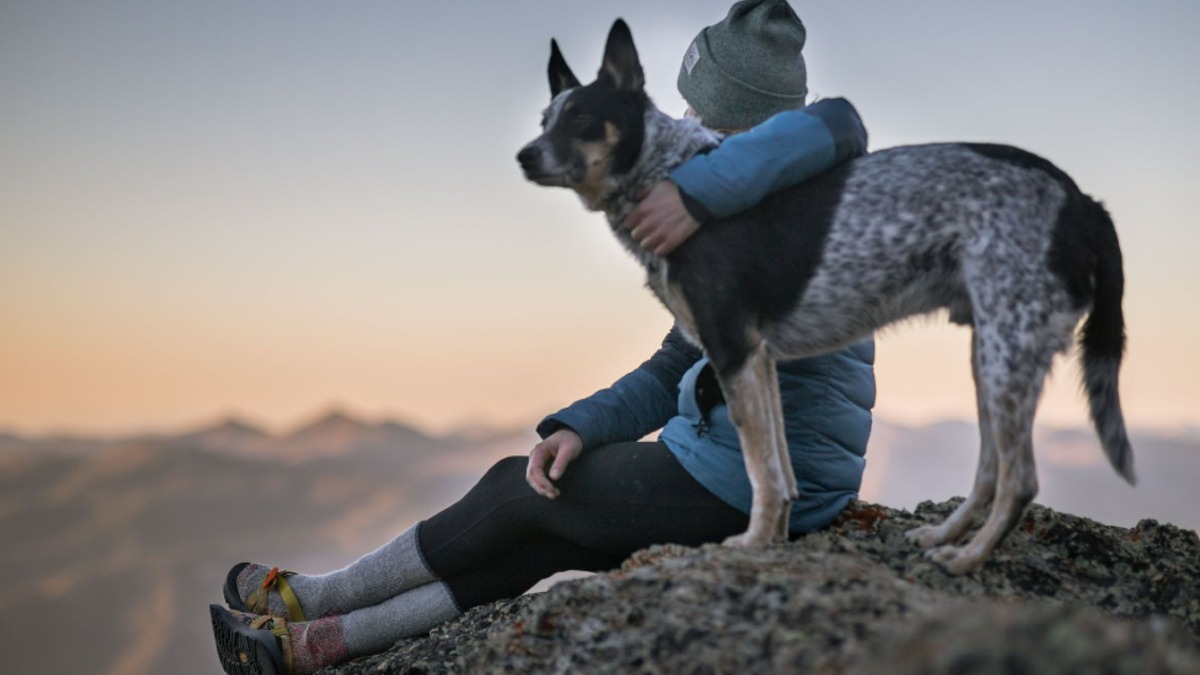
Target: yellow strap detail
{"x":285,"y":645}
{"x":258,"y":602}
{"x":289,"y":597}
{"x":258,"y":623}
{"x":279,"y":629}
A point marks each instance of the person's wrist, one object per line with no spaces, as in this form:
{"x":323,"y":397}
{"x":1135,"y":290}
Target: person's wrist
{"x":568,"y":432}
{"x":695,"y":209}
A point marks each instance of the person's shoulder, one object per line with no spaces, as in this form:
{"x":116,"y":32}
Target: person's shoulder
{"x":845,"y":125}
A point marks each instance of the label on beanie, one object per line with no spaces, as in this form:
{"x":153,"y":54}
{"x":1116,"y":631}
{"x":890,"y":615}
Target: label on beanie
{"x":691,"y":57}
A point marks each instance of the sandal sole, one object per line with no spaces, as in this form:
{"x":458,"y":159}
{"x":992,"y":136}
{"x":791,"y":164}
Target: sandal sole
{"x":244,"y":650}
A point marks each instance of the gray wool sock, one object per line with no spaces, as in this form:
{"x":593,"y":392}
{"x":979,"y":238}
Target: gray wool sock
{"x":371,"y":630}
{"x":388,"y":571}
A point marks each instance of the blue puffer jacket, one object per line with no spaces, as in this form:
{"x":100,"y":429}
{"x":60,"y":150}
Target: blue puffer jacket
{"x":826,"y":400}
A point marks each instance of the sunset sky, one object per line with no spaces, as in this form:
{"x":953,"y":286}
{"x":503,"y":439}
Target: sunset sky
{"x":267,"y":209}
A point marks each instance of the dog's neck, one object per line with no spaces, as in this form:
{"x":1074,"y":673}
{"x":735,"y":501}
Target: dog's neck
{"x":669,"y":142}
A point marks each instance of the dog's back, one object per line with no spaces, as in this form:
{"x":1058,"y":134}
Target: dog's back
{"x":881,"y":238}
{"x":907,"y":231}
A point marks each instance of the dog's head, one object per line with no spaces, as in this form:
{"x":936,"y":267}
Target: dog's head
{"x":591,"y":135}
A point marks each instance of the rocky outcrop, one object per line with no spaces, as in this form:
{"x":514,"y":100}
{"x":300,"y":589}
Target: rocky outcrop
{"x":1061,"y":595}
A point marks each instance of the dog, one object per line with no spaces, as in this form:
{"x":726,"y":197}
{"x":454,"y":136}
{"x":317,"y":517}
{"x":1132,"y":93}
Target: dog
{"x":999,"y":237}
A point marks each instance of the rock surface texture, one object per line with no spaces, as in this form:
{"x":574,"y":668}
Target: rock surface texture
{"x":1062,"y":594}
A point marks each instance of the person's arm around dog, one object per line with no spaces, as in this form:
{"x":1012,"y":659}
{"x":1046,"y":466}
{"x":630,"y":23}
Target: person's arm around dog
{"x":783,"y":151}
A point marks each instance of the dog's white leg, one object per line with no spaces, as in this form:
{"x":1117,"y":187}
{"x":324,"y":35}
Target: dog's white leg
{"x":1016,"y":489}
{"x":955,"y":526}
{"x":780,"y":447}
{"x":1014,"y":374}
{"x":752,"y":394}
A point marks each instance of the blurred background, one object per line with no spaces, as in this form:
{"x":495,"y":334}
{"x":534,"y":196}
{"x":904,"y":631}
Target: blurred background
{"x":272,"y":287}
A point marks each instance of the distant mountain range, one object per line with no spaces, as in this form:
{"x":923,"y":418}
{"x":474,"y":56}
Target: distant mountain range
{"x":122,"y":542}
{"x":330,"y":434}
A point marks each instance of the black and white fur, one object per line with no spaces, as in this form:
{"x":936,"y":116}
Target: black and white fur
{"x":999,"y":237}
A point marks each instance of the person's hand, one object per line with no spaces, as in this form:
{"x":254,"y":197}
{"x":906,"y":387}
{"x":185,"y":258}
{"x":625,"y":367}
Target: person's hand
{"x":560,"y":448}
{"x":660,"y":223}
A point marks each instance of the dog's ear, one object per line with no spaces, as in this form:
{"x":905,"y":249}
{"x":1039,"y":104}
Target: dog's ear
{"x":621,"y":68}
{"x":561,"y":77}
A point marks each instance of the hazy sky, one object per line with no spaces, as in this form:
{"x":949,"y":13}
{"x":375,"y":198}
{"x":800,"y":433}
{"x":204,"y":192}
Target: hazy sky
{"x":269,"y":208}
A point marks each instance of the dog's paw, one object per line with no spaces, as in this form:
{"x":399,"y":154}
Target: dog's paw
{"x":736,"y":541}
{"x":926,"y":536}
{"x":745,"y":540}
{"x":955,"y":559}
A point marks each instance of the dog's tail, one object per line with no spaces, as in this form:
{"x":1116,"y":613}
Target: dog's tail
{"x":1103,"y":342}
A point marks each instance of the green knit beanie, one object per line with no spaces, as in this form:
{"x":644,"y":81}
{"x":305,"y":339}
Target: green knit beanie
{"x":747,"y":67}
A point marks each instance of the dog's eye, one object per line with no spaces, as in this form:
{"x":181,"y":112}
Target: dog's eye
{"x":582,"y":123}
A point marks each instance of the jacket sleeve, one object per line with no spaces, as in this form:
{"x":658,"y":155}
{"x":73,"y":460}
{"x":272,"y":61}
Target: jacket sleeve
{"x":634,"y":405}
{"x":786,"y":149}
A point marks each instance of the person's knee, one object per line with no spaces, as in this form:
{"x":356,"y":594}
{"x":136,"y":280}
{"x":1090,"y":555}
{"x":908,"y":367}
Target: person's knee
{"x":507,"y":474}
{"x":504,"y":495}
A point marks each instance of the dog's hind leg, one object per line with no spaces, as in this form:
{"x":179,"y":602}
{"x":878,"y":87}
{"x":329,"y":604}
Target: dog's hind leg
{"x":752,"y":393}
{"x":968,"y":512}
{"x":1014,"y":375}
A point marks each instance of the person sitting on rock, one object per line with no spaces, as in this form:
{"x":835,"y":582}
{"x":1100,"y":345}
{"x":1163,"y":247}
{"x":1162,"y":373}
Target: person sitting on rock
{"x":591,"y":493}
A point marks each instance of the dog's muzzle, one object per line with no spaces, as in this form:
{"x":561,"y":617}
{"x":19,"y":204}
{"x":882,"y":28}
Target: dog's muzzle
{"x":532,"y":159}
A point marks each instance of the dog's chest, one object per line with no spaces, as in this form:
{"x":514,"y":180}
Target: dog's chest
{"x":671,"y":296}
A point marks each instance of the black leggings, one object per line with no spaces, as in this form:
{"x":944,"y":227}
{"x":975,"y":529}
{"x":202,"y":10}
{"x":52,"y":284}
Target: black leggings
{"x":502,"y":537}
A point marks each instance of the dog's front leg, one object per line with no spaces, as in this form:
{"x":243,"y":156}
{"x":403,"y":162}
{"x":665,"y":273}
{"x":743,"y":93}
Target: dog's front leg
{"x":752,"y":393}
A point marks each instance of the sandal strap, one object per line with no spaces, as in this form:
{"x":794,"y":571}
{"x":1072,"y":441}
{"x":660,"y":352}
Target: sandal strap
{"x":259,"y":601}
{"x":279,"y":629}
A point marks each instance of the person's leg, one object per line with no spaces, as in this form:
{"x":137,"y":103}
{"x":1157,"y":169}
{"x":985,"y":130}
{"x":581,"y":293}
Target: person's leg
{"x":514,"y":573}
{"x":370,"y":630}
{"x":505,"y":537}
{"x":614,"y":500}
{"x":247,"y":643}
{"x":387,"y":571}
{"x":500,"y":539}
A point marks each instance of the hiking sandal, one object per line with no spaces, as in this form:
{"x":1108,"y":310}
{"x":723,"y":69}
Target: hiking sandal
{"x":245,"y":646}
{"x":258,"y":601}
